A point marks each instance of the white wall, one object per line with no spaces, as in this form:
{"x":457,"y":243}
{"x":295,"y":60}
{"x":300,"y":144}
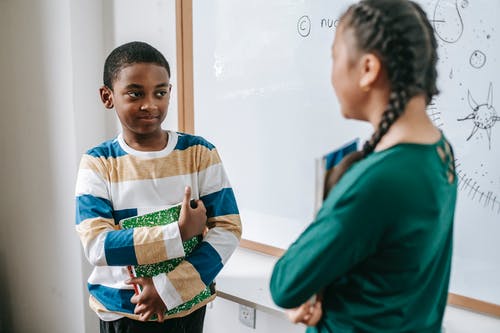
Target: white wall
{"x":51,"y":59}
{"x":457,"y":320}
{"x":92,"y":122}
{"x":40,"y":252}
{"x":222,"y":316}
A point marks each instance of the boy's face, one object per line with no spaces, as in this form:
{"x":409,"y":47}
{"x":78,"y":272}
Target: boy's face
{"x":140,"y":96}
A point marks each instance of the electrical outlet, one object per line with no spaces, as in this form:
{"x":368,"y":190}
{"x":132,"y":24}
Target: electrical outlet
{"x":247,"y":316}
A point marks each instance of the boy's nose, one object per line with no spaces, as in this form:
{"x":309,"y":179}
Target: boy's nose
{"x":149,"y":106}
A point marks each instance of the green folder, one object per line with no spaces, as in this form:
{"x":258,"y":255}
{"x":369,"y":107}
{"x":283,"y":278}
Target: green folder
{"x":163,"y":217}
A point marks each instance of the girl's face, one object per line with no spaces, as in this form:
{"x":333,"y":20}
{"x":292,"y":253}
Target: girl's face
{"x":346,"y":73}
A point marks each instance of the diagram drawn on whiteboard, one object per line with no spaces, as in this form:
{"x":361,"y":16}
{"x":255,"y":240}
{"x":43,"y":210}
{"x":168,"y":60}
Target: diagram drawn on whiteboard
{"x":483,"y":115}
{"x":477,"y":59}
{"x":474,"y":191}
{"x":304,"y":26}
{"x":447,"y":20}
{"x":434,"y":113}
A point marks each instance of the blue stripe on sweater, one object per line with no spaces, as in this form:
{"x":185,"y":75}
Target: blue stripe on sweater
{"x":119,"y":248}
{"x":206,"y":261}
{"x":110,"y":148}
{"x":121,"y":214}
{"x":186,"y":140}
{"x":88,"y":206}
{"x":220,"y":203}
{"x":113,"y":299}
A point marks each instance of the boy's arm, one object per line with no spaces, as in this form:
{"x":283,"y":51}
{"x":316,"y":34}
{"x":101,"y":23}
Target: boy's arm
{"x":103,"y":243}
{"x":200,"y":268}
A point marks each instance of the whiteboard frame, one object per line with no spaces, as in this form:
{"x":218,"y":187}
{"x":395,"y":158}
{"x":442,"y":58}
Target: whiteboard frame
{"x":185,"y":75}
{"x":185,"y":93}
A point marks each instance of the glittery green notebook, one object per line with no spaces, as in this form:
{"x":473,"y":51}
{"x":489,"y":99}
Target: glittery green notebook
{"x":163,"y":217}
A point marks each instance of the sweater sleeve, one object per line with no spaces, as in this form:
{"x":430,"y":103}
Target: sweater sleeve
{"x":103,"y":243}
{"x":343,"y":234}
{"x":200,"y":267}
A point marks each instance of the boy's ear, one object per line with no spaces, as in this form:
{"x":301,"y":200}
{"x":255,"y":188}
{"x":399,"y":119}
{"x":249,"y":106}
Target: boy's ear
{"x":106,"y":97}
{"x":370,"y":71}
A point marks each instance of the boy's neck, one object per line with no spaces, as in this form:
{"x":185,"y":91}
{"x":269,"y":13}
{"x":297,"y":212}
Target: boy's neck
{"x":155,"y":142}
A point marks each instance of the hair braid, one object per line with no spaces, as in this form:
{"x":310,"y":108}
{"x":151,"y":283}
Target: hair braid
{"x":400,"y":34}
{"x":431,"y":74}
{"x":400,"y":72}
{"x":370,"y":23}
{"x":397,"y":102}
{"x":382,"y":35}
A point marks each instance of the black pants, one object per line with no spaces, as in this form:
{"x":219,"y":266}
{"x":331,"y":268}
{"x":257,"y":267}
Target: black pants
{"x":192,"y":323}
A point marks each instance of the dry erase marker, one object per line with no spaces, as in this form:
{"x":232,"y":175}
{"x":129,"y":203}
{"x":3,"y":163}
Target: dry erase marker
{"x":131,"y":273}
{"x":193,"y":203}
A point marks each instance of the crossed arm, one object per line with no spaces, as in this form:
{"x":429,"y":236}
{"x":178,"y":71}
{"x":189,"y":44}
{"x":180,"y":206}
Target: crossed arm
{"x":105,"y":245}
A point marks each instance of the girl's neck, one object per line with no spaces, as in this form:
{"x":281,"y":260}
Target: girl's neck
{"x":413,"y":126}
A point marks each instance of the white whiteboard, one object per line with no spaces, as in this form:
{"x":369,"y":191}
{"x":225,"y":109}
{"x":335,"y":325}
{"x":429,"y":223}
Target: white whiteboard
{"x":263,"y":97}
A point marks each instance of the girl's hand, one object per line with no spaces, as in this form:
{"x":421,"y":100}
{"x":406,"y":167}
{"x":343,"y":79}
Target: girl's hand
{"x":308,"y":313}
{"x":148,"y":302}
{"x":193,"y":216}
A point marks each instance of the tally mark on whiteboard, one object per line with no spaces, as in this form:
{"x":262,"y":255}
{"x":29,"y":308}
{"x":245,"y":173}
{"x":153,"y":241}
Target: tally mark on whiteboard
{"x":471,"y":188}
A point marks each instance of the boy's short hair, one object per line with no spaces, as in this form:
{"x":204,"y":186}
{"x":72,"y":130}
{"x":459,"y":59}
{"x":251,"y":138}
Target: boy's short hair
{"x":128,"y":54}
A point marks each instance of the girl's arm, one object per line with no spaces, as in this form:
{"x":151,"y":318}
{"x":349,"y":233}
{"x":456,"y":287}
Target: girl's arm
{"x":345,"y":233}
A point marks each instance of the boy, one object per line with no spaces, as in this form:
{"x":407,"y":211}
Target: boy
{"x":145,"y":169}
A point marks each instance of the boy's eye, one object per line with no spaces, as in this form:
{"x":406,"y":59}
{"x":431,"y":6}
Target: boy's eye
{"x":134,"y":94}
{"x":161,"y":93}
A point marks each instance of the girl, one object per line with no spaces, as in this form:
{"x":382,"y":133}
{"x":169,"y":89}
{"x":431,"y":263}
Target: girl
{"x":379,"y":251}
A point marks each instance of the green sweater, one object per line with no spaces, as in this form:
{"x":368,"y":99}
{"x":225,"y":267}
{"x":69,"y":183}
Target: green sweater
{"x":380,"y":247}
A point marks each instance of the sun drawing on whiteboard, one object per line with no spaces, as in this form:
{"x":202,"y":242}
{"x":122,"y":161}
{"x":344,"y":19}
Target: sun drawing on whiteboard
{"x":483,"y":115}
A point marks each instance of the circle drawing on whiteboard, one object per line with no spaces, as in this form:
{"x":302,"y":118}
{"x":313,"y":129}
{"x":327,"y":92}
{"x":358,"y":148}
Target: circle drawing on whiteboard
{"x":304,"y":26}
{"x":447,"y":21}
{"x":483,"y":115}
{"x":477,"y":59}
{"x":464,"y":4}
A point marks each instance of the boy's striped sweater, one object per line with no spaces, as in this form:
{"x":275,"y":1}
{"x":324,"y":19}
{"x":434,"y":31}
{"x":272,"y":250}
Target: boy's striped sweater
{"x":115,"y":182}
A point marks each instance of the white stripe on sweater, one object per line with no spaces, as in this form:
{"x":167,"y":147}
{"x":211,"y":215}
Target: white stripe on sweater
{"x":223,"y":241}
{"x":167,"y":292}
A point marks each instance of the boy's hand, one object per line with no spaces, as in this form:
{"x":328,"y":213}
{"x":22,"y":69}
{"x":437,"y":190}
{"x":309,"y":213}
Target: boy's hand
{"x":308,"y":313}
{"x":148,"y":302}
{"x":193,"y":216}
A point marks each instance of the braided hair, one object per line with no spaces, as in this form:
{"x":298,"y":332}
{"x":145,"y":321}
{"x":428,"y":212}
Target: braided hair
{"x":400,"y":35}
